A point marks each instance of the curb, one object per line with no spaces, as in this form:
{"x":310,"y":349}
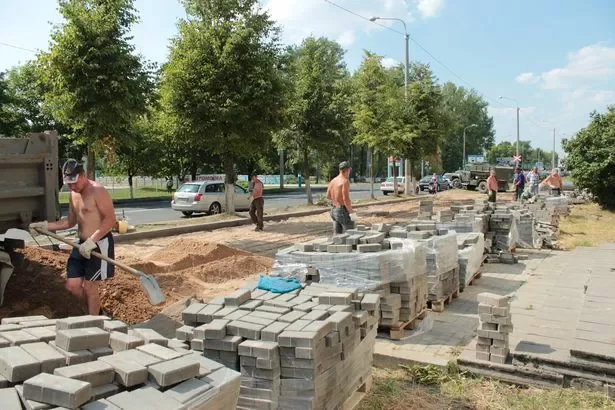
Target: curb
{"x":210,"y":226}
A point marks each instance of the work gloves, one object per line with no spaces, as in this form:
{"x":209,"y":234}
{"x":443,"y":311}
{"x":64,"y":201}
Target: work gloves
{"x":86,"y":248}
{"x":37,"y":225}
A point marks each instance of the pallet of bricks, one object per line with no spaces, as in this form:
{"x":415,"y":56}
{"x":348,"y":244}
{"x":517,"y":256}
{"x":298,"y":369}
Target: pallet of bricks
{"x":503,"y":235}
{"x":471,"y":253}
{"x":310,"y":348}
{"x":495,"y":326}
{"x":93,"y":363}
{"x":376,"y":260}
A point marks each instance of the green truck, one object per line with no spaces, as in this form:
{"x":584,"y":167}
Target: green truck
{"x":474,"y":176}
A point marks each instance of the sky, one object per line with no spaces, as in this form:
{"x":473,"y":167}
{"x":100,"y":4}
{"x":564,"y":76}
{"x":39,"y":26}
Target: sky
{"x":554,"y":58}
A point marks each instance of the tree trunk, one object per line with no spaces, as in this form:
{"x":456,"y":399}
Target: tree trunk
{"x":91,"y":171}
{"x":193,"y":169}
{"x":371,"y":173}
{"x":130,"y":187}
{"x":306,"y":176}
{"x":281,"y":169}
{"x":229,"y":180}
{"x":394,"y":178}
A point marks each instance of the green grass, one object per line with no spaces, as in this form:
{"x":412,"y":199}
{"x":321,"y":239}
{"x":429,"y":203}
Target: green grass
{"x":124,"y":194}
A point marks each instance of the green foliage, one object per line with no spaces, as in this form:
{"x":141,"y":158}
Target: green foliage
{"x":506,"y":149}
{"x":591,"y":157}
{"x":11,"y":123}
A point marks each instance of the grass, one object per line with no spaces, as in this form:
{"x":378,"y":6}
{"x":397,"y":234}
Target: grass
{"x":428,"y":387}
{"x":587,"y":225}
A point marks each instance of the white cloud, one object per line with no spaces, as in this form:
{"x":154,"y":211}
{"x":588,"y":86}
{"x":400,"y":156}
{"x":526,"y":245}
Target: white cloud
{"x":585,"y":99}
{"x":346,"y":38}
{"x":593,"y":63}
{"x":430,"y":8}
{"x":389,"y":62}
{"x":527,"y":78}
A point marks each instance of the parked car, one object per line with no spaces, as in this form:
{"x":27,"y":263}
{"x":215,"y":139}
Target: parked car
{"x":387,"y":186}
{"x":423,"y":184}
{"x":207,"y":197}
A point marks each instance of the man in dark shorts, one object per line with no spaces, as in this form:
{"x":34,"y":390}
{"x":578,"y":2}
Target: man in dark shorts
{"x":258,"y":202}
{"x":338,"y":193}
{"x":519,"y":183}
{"x":91,"y":209}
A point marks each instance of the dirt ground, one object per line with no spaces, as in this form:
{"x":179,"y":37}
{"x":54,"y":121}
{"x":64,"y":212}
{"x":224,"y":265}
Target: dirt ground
{"x":202,"y":265}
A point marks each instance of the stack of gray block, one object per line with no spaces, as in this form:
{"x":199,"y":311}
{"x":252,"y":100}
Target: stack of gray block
{"x":494,"y":329}
{"x":471,"y":247}
{"x":503,"y":226}
{"x":444,"y":216}
{"x":525,"y":228}
{"x":442,"y":266}
{"x":311,"y":348}
{"x":425,"y":209}
{"x":93,"y":362}
{"x":459,"y":208}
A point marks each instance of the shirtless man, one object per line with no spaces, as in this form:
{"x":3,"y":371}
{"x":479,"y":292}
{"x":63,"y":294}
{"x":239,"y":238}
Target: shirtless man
{"x":91,"y":209}
{"x":338,"y":193}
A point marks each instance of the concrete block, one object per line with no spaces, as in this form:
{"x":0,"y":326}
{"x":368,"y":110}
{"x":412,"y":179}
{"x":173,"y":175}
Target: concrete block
{"x":189,"y":315}
{"x":144,"y":398}
{"x":271,"y":332}
{"x":184,"y":333}
{"x":320,"y":327}
{"x":298,"y":325}
{"x":174,"y":371}
{"x":496,"y":358}
{"x":257,"y":320}
{"x":149,"y":336}
{"x":121,"y":341}
{"x":197,"y":344}
{"x":492,"y":299}
{"x":370,"y":301}
{"x":305,"y":307}
{"x":81,"y":338}
{"x":57,"y":390}
{"x":100,"y":404}
{"x":484,"y":309}
{"x":228,"y":344}
{"x":205,"y":315}
{"x":97,"y":373}
{"x":104,"y":391}
{"x":482,"y":356}
{"x":101,"y":351}
{"x":127,"y":373}
{"x":265,"y":315}
{"x":342,"y":248}
{"x":244,"y":329}
{"x":259,"y":349}
{"x":49,"y":358}
{"x":224,"y":311}
{"x":44,"y":334}
{"x":178,"y":344}
{"x":30,"y":404}
{"x":10,"y":399}
{"x":160,"y":352}
{"x":206,"y":365}
{"x":9,"y":327}
{"x":19,"y":337}
{"x":80,"y":356}
{"x":297,"y":339}
{"x":19,"y":319}
{"x":188,"y":390}
{"x":17,"y":365}
{"x":115,"y":326}
{"x":291,"y":316}
{"x":138,"y":357}
{"x":501,"y":351}
{"x":238,"y":314}
{"x":237,"y":298}
{"x":316,"y":315}
{"x":216,"y":329}
{"x":369,"y":247}
{"x":80,"y":322}
{"x":38,"y":323}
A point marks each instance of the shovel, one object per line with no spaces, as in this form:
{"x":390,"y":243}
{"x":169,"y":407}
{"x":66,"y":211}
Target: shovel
{"x":148,"y":282}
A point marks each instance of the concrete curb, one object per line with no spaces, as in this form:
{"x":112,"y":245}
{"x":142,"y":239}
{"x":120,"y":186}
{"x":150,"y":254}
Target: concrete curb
{"x":210,"y":226}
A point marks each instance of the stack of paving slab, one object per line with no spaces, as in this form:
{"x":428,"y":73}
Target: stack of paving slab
{"x":425,"y":209}
{"x":442,"y":265}
{"x":471,"y":248}
{"x":495,"y":326}
{"x":502,"y":225}
{"x":92,"y":362}
{"x":306,"y":349}
{"x":526,"y":231}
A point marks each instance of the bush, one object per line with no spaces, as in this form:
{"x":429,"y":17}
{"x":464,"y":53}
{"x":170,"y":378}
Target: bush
{"x":591,"y":157}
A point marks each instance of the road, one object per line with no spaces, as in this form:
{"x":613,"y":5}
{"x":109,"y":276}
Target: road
{"x":160,"y":211}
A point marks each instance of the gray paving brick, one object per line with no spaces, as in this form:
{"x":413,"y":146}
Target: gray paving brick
{"x":80,"y":322}
{"x":57,"y":390}
{"x":189,"y":315}
{"x":244,"y":329}
{"x":188,"y":390}
{"x":216,"y":329}
{"x":82,"y":338}
{"x":320,"y":327}
{"x":18,"y":319}
{"x":184,"y":333}
{"x":316,"y":315}
{"x":115,"y":326}
{"x":237,"y":298}
{"x":298,"y":325}
{"x":101,"y":351}
{"x":273,"y":309}
{"x":47,"y":356}
{"x":271,"y":332}
{"x":104,"y":391}
{"x":101,"y":404}
{"x":228,"y":344}
{"x":44,"y":334}
{"x":291,"y":316}
{"x":251,"y":304}
{"x":259,"y":349}
{"x":206,"y":365}
{"x":149,"y":336}
{"x":97,"y":373}
{"x":10,"y":399}
{"x":121,"y":341}
{"x":492,"y":299}
{"x":265,"y":315}
{"x":38,"y":323}
{"x":127,"y":373}
{"x":174,"y":371}
{"x":197,"y":344}
{"x":369,"y":247}
{"x":335,"y":298}
{"x":225,"y":311}
{"x":305,"y":306}
{"x":17,"y":365}
{"x":297,"y":339}
{"x":9,"y":327}
{"x":238,"y":314}
{"x":138,"y":357}
{"x":19,"y":337}
{"x":205,"y":315}
{"x":80,"y":356}
{"x":257,"y":320}
{"x":160,"y":352}
{"x":30,"y":404}
{"x":144,"y":398}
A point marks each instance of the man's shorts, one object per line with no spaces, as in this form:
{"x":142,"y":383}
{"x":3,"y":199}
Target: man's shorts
{"x":92,"y":269}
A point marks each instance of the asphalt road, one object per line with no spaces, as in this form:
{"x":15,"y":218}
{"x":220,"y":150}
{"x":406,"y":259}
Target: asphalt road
{"x":144,"y":213}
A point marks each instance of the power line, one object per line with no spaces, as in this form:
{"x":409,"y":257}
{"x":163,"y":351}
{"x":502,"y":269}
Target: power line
{"x":364,"y":18}
{"x":17,"y":47}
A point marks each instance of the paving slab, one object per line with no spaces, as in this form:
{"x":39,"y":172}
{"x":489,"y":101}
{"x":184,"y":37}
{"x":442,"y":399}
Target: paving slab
{"x":82,"y":338}
{"x":10,"y":399}
{"x":57,"y":390}
{"x":49,"y":358}
{"x":127,"y":373}
{"x":174,"y":371}
{"x":97,"y":373}
{"x":17,"y":365}
{"x":31,"y":404}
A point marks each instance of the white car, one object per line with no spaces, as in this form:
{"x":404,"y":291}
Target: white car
{"x":387,"y":186}
{"x":207,"y":197}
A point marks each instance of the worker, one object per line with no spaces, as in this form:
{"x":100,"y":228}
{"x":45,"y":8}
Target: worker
{"x":492,"y":186}
{"x":338,"y":192}
{"x":533,"y":179}
{"x":90,"y":208}
{"x":519,"y":183}
{"x":258,"y":202}
{"x":555,"y":182}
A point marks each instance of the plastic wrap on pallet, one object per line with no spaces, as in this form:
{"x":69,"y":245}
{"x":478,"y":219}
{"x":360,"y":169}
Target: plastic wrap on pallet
{"x":365,"y":271}
{"x":470,"y":256}
{"x":557,"y":205}
{"x":526,"y":231}
{"x":442,"y":253}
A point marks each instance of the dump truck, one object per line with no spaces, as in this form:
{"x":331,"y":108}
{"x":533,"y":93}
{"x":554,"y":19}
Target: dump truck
{"x":474,"y":176}
{"x":29,"y":192}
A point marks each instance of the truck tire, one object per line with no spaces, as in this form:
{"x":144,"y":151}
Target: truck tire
{"x":482,"y":187}
{"x":456,"y":183}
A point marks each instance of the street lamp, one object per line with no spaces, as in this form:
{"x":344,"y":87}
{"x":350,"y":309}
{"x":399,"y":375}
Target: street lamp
{"x":517,"y":104}
{"x":464,"y":144}
{"x":406,"y":63}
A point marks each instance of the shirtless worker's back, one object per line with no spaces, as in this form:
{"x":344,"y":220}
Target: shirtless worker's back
{"x":338,"y":193}
{"x":91,"y":209}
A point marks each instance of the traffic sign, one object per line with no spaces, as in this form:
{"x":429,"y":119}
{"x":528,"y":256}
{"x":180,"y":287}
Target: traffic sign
{"x":517,"y":158}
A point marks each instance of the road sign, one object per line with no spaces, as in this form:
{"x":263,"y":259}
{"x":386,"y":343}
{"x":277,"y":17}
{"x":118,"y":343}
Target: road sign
{"x":517,"y":158}
{"x":476,"y":159}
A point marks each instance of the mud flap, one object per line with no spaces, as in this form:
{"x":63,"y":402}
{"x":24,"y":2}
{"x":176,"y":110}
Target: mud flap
{"x":6,"y":270}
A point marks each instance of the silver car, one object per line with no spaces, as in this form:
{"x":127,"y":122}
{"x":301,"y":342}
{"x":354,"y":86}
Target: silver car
{"x":207,"y":197}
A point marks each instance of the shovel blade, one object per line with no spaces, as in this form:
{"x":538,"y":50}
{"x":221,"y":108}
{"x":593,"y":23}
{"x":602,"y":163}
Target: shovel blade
{"x":154,"y":293}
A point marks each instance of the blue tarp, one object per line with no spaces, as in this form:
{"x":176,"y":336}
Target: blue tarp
{"x":278,"y":285}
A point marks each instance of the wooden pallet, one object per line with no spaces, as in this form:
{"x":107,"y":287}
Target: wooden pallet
{"x":438,"y":305}
{"x":477,"y":275}
{"x":353,"y":401}
{"x":398,"y":331}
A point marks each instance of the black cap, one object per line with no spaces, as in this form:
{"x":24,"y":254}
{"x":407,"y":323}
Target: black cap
{"x":71,"y":170}
{"x":344,"y":165}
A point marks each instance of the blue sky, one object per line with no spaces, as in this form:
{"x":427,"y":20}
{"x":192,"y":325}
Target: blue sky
{"x":555,"y":58}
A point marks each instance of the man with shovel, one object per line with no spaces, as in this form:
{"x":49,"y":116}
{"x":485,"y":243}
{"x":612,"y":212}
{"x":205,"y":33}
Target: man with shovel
{"x":91,"y":209}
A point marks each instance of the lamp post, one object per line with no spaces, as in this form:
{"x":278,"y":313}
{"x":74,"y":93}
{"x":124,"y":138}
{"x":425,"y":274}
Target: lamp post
{"x":406,"y":63}
{"x":464,"y":144}
{"x":517,"y":106}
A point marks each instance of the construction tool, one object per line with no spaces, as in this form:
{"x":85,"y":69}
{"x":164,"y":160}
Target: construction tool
{"x":148,"y":282}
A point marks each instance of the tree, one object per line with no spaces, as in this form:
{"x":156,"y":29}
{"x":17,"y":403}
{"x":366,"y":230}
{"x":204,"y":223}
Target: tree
{"x":96,"y":84}
{"x":12,"y":124}
{"x":591,"y":157}
{"x":463,"y":108}
{"x":317,"y":115}
{"x":222,"y":82}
